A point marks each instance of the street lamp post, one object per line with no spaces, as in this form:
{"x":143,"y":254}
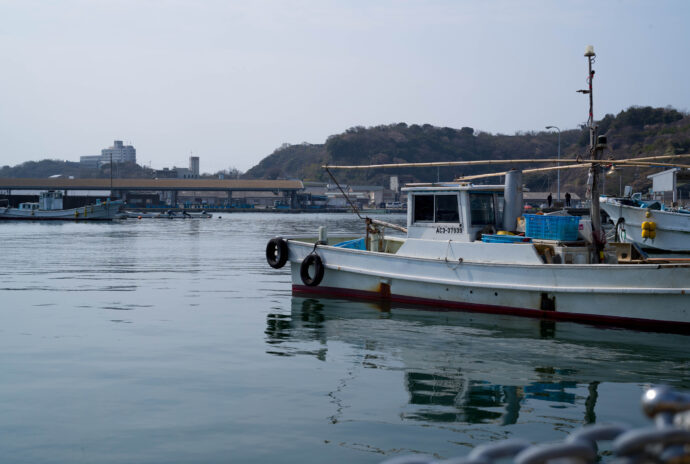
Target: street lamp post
{"x":558,"y":171}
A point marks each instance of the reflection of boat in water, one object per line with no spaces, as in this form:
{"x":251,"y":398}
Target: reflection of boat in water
{"x":49,"y":207}
{"x":478,"y":368}
{"x":648,"y":224}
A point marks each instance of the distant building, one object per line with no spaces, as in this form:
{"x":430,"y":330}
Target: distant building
{"x":374,"y":192}
{"x":165,"y":173}
{"x":119,"y":153}
{"x":90,"y":162}
{"x":175,"y":173}
{"x":362,"y":195}
{"x":184,"y":173}
{"x":194,"y":165}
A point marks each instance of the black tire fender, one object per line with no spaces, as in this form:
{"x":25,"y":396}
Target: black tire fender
{"x":312,"y":259}
{"x":276,"y":252}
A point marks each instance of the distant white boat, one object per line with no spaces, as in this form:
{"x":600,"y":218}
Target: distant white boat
{"x":49,"y":207}
{"x":648,"y":224}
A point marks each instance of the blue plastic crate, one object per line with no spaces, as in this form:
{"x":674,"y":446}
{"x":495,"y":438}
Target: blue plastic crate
{"x":495,"y":238}
{"x":564,"y":228}
{"x":356,"y":244}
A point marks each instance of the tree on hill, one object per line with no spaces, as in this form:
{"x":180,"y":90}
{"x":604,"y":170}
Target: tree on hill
{"x":301,"y":161}
{"x":41,"y":169}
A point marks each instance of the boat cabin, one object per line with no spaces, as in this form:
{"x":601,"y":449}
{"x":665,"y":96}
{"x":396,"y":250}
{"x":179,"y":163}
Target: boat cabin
{"x":50,"y":200}
{"x":28,"y":206}
{"x":47,"y":201}
{"x":460,"y":212}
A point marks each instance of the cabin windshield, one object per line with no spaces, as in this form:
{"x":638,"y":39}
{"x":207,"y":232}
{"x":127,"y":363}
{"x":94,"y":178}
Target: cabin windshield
{"x":436,"y":208}
{"x":446,"y":208}
{"x":483,"y":208}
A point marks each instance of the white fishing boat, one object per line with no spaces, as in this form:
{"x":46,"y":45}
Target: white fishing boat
{"x":649,"y":224}
{"x":443,"y":262}
{"x":50,"y":207}
{"x":451,"y":256}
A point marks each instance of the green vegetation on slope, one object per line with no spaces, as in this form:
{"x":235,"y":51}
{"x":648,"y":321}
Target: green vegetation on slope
{"x":637,"y":131}
{"x":50,"y":167}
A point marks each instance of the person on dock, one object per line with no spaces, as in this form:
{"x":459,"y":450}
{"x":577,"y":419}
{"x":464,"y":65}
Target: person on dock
{"x":567,"y":199}
{"x":549,"y":200}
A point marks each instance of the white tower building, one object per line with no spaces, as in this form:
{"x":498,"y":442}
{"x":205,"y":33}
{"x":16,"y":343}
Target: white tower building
{"x":194,"y":165}
{"x":120,"y":153}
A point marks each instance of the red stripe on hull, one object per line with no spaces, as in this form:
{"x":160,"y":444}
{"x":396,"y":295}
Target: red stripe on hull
{"x":611,"y":321}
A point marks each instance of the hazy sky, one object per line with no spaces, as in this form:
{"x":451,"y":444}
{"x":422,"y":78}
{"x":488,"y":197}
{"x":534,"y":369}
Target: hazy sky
{"x":231,"y":81}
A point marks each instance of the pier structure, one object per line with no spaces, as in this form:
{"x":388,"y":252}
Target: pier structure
{"x":145,"y":192}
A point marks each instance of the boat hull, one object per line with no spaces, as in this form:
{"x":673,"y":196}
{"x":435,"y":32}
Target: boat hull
{"x":176,"y":215}
{"x":672,"y":229}
{"x":98,"y":212}
{"x":603,"y":294}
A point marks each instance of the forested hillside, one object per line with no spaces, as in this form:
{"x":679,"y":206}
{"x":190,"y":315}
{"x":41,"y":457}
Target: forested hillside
{"x":52,"y":167}
{"x":44,"y":168}
{"x":635,"y":132}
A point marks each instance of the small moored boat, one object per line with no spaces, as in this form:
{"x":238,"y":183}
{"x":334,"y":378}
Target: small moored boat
{"x":49,"y":207}
{"x":649,"y":224}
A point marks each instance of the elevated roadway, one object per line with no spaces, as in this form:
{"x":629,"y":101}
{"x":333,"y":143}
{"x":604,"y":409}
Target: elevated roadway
{"x":168,"y":188}
{"x":216,"y":185}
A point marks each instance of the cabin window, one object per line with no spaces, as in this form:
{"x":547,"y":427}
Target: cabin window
{"x":436,"y":208}
{"x":482,"y":209}
{"x":424,"y":208}
{"x":447,"y":208}
{"x":501,"y":206}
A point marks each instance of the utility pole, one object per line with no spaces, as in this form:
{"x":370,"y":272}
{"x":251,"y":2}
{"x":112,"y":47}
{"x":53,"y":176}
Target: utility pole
{"x":558,"y":171}
{"x":111,"y":173}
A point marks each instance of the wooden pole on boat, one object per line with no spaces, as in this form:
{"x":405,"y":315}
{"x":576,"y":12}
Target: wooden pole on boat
{"x":446,"y":163}
{"x":388,"y":224}
{"x":576,"y":162}
{"x":649,"y":158}
{"x":587,"y":164}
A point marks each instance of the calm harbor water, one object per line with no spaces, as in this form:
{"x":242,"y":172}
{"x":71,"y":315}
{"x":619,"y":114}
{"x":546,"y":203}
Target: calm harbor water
{"x":171,"y":341}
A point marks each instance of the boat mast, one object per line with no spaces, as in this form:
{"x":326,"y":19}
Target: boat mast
{"x":595,"y":150}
